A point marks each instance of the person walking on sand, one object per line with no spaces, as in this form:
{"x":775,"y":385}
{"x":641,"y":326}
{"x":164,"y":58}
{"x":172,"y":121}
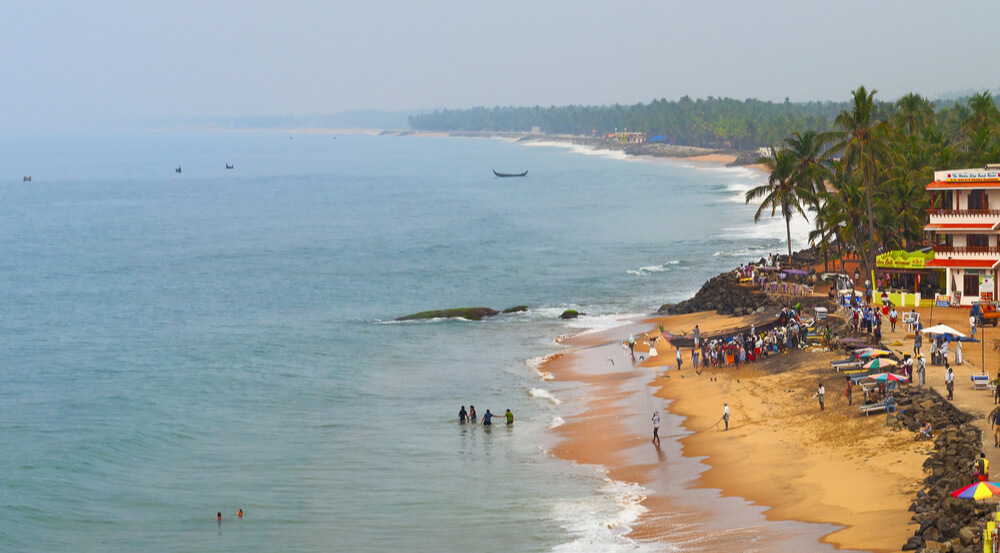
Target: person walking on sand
{"x":697,"y":336}
{"x":821,"y":394}
{"x":917,"y":342}
{"x":679,"y":359}
{"x":725,"y":414}
{"x":994,"y":420}
{"x":921,"y":369}
{"x":893,"y":316}
{"x":972,"y":324}
{"x":656,"y":427}
{"x":949,"y":381}
{"x":850,"y":386}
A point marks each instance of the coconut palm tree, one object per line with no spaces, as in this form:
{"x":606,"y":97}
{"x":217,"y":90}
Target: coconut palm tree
{"x":913,"y":114}
{"x":782,"y":191}
{"x":863,"y":141}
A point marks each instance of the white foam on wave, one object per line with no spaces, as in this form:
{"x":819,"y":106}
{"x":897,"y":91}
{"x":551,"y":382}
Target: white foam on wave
{"x":662,"y":268}
{"x":598,"y":323}
{"x":543,"y":394}
{"x":603,"y":521}
{"x":582,"y":149}
{"x":535,"y":364}
{"x":556,"y":422}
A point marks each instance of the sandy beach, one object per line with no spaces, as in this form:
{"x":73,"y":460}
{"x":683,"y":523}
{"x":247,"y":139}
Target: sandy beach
{"x":850,"y":476}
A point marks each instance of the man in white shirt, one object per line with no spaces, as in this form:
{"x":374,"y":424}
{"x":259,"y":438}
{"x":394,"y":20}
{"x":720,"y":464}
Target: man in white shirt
{"x":949,"y":381}
{"x":656,"y":427}
{"x":725,"y":415}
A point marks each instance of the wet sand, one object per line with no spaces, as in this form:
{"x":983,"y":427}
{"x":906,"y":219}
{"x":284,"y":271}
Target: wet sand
{"x":785,"y":477}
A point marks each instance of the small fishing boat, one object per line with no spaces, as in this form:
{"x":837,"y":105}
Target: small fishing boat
{"x":509,"y":174}
{"x":228,"y":166}
{"x":178,"y":169}
{"x":27,"y":178}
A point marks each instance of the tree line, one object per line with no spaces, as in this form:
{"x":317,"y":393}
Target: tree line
{"x":863,"y":182}
{"x":711,"y":123}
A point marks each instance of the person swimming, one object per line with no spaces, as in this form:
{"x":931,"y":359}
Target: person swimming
{"x":472,"y":414}
{"x":239,"y":513}
{"x":462,"y":415}
{"x":218,"y":516}
{"x":488,"y":418}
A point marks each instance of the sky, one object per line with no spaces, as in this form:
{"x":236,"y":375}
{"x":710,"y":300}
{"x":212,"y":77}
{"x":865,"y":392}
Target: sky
{"x":74,"y":64}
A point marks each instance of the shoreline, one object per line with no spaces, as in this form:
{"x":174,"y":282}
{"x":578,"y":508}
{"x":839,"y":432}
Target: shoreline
{"x":806,"y":480}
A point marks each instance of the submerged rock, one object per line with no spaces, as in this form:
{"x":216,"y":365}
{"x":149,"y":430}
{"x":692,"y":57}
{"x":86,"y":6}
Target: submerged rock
{"x":471,"y":313}
{"x":570,"y":314}
{"x":516,"y":309}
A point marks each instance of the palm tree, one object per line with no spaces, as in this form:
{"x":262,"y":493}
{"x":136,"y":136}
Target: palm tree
{"x":984,"y":113}
{"x":864,"y":143}
{"x":810,"y":171}
{"x":781,"y":191}
{"x":913,"y":114}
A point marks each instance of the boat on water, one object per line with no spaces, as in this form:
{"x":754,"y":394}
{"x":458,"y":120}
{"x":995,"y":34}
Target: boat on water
{"x":228,"y":166}
{"x":27,"y":178}
{"x":178,"y":169}
{"x":509,"y":174}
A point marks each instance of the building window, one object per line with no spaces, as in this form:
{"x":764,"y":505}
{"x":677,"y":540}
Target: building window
{"x":971,"y":285}
{"x":978,"y":200}
{"x":981,"y":241}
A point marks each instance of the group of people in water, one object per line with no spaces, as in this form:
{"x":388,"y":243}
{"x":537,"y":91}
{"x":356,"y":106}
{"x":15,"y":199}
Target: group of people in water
{"x":218,"y":515}
{"x":471,"y":417}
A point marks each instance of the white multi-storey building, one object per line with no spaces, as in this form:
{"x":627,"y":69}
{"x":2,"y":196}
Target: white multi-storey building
{"x":965,"y":231}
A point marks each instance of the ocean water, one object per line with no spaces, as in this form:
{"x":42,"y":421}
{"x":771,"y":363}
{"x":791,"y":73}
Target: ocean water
{"x":173,"y":345}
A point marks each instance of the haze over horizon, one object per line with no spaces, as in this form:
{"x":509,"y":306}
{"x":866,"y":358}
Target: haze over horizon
{"x":73,"y":66}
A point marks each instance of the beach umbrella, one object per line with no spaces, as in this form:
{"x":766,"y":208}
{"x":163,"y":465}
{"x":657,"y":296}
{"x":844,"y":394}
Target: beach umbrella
{"x":979,"y":490}
{"x":938,"y":330}
{"x":874,"y":353}
{"x":886,"y":377}
{"x":880,"y":363}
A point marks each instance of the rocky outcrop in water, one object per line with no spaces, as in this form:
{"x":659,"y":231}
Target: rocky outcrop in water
{"x":471,"y":313}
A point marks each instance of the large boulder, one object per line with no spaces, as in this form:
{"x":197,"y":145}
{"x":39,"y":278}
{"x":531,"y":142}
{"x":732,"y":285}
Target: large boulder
{"x":471,"y":313}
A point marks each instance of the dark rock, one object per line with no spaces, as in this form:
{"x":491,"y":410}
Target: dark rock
{"x":570,"y":314}
{"x":516,"y":309}
{"x":471,"y":313}
{"x":913,"y":544}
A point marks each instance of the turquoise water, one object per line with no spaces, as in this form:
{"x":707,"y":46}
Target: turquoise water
{"x":174,"y":345}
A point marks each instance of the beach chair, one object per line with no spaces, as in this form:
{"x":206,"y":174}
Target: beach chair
{"x":980,"y":382}
{"x":887,"y":405}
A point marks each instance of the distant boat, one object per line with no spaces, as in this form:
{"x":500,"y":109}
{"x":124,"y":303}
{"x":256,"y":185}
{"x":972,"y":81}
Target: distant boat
{"x":178,"y":169}
{"x":27,"y":179}
{"x":228,"y":166}
{"x":509,"y":174}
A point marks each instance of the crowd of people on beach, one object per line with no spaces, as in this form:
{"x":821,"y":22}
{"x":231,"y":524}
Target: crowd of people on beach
{"x":471,"y":417}
{"x":750,"y":346}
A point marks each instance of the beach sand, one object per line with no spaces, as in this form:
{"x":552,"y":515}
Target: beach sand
{"x":782,"y":459}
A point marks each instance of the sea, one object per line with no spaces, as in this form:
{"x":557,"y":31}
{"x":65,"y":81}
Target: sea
{"x":175,"y":345}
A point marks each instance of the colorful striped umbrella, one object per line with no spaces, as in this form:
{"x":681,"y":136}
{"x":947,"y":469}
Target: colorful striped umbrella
{"x":880,"y":363}
{"x":886,"y":377}
{"x":979,"y":490}
{"x":874,"y":353}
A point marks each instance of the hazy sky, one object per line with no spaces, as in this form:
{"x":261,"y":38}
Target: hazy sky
{"x":75,"y":63}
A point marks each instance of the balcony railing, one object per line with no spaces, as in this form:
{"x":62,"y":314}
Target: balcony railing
{"x":967,"y":249}
{"x":963,"y":212}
